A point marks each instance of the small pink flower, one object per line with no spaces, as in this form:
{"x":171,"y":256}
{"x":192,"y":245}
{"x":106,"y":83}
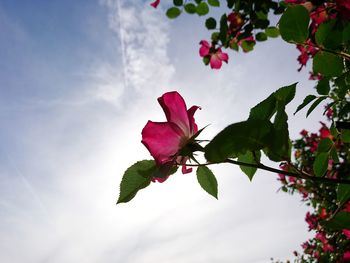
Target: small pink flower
{"x":315,"y":76}
{"x":305,"y":245}
{"x":321,"y":237}
{"x":327,"y":247}
{"x":235,"y":21}
{"x":155,"y":3}
{"x":215,"y":55}
{"x":318,"y":16}
{"x":324,"y":131}
{"x":304,"y":133}
{"x":323,"y":213}
{"x":311,"y":220}
{"x":329,"y":113}
{"x":306,"y":51}
{"x":346,"y":232}
{"x":164,"y":140}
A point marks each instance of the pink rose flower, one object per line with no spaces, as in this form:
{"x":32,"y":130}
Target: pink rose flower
{"x":215,"y":55}
{"x":155,"y":3}
{"x":164,"y":140}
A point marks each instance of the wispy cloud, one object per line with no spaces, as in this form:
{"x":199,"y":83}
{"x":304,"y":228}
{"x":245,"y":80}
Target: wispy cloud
{"x":142,"y":40}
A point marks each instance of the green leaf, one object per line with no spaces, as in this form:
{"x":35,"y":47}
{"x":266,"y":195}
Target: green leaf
{"x":234,"y":45}
{"x":286,"y":94}
{"x":306,"y":101}
{"x":314,"y":105}
{"x":190,"y":8}
{"x":248,"y":157}
{"x":272,"y":31}
{"x":345,"y":136}
{"x":210,"y":23}
{"x":279,"y":148}
{"x":215,"y":36}
{"x":261,"y":36}
{"x":264,"y":110}
{"x":339,"y":222}
{"x":207,"y":180}
{"x":294,"y":24}
{"x":323,"y":87}
{"x":322,"y":32}
{"x":329,"y":65}
{"x":342,"y":82}
{"x":334,"y":155}
{"x":324,"y":145}
{"x":343,"y":193}
{"x":214,"y":2}
{"x":247,"y":45}
{"x":230,"y":3}
{"x":346,"y":34}
{"x":328,"y":35}
{"x":261,"y":23}
{"x":178,"y":2}
{"x":202,"y":9}
{"x":237,"y":138}
{"x":223,"y":29}
{"x":135,"y":178}
{"x":173,"y":12}
{"x":320,"y":164}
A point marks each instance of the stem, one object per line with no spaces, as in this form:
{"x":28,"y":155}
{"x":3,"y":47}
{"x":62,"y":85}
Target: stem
{"x":340,"y":53}
{"x":300,"y":175}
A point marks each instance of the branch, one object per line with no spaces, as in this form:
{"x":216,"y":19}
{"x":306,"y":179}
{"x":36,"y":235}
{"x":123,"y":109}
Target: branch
{"x":300,"y":175}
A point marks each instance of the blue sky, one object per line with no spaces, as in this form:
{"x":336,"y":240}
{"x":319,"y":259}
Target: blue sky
{"x":78,"y":81}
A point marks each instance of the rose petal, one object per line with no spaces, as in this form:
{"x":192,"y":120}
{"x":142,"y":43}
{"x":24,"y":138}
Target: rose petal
{"x":184,"y":168}
{"x":155,"y":3}
{"x":162,"y":140}
{"x":190,"y":114}
{"x":222,"y":56}
{"x":215,"y":62}
{"x":204,"y":49}
{"x":158,"y":179}
{"x":175,"y":111}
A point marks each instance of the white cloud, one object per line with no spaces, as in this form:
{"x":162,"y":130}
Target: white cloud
{"x":142,"y":39}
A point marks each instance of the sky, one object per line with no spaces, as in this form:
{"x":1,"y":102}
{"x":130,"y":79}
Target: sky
{"x":78,"y":82}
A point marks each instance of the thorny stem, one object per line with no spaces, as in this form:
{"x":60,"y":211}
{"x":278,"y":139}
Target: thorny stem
{"x":300,"y":174}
